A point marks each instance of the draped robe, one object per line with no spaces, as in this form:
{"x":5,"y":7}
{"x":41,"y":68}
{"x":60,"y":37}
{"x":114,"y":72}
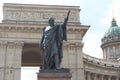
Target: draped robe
{"x":52,"y":51}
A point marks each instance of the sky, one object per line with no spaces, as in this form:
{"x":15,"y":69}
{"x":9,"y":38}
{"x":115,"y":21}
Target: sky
{"x":96,"y":13}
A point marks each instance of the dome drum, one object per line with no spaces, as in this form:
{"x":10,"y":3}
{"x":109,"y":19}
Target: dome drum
{"x":111,"y":38}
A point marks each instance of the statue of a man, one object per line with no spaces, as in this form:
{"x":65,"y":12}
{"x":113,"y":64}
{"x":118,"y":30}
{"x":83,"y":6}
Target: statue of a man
{"x":51,"y":44}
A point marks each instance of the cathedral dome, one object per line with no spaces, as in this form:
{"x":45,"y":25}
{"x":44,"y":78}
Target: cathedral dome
{"x":112,"y":34}
{"x":111,"y":42}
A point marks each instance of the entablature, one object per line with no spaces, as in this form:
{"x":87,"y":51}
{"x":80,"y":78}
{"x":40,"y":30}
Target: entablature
{"x":75,"y":32}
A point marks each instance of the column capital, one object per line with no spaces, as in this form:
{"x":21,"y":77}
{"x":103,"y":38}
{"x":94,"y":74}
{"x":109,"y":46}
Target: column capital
{"x":73,"y":44}
{"x":19,"y":44}
{"x":79,"y":44}
{"x":3,"y":43}
{"x":15,"y":44}
{"x":65,"y":44}
{"x":11,"y":44}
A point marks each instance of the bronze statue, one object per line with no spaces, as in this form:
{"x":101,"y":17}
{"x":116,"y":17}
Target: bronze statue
{"x":51,"y":44}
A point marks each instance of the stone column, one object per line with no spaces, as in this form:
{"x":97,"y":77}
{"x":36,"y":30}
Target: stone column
{"x":95,"y":76}
{"x":86,"y":73}
{"x":65,"y":61}
{"x":114,"y":51}
{"x":108,"y":55}
{"x":9,"y":64}
{"x":13,"y":61}
{"x":3,"y":46}
{"x":18,"y":59}
{"x":118,"y":48}
{"x":117,"y":78}
{"x":79,"y":61}
{"x":109,"y":77}
{"x":102,"y":77}
{"x":88,"y":76}
{"x":104,"y":53}
{"x":73,"y":59}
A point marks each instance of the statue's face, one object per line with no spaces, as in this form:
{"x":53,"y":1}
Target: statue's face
{"x":51,"y":21}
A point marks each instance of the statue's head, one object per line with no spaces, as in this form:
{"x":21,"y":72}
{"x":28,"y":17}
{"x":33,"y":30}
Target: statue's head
{"x":51,"y":21}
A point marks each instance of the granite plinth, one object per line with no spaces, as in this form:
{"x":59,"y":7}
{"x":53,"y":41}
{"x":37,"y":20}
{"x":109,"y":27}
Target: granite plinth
{"x":62,"y":74}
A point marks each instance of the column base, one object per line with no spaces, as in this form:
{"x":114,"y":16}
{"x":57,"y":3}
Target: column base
{"x":62,"y":74}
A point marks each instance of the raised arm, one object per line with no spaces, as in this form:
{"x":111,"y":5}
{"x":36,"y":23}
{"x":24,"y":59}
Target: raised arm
{"x":66,"y":19}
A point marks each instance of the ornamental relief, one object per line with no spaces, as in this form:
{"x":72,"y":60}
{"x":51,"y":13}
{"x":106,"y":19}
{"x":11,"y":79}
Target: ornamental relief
{"x":11,"y":45}
{"x":39,"y":16}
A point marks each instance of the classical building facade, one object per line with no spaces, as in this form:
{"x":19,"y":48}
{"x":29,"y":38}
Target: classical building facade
{"x":21,"y":30}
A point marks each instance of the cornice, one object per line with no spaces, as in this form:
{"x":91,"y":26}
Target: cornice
{"x":20,"y":28}
{"x":100,"y":62}
{"x":37,"y":6}
{"x":37,"y":28}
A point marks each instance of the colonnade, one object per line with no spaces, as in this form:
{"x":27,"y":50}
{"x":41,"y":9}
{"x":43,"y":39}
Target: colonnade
{"x":95,"y":76}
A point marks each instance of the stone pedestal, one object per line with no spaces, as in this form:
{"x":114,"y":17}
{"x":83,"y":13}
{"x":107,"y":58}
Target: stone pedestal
{"x":61,"y":74}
